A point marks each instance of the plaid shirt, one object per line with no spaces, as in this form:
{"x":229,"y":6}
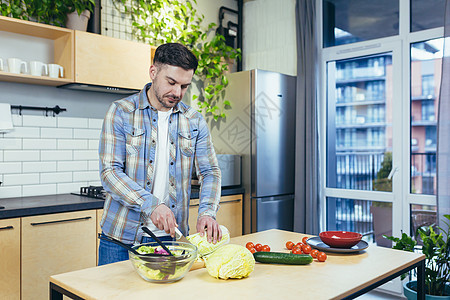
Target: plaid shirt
{"x":127,"y":160}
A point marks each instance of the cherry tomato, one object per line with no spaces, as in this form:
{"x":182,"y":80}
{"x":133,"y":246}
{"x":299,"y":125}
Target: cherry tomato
{"x":314,"y":253}
{"x":321,"y":256}
{"x":306,"y":249}
{"x":249,"y":245}
{"x":297,"y":251}
{"x":289,"y":245}
{"x":299,"y":244}
{"x":304,"y":239}
{"x":258,"y":247}
{"x":265,"y":248}
{"x":252,"y":250}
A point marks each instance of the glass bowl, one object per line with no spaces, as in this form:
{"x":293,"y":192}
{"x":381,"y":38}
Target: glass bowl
{"x":164,"y":269}
{"x":340,"y":239}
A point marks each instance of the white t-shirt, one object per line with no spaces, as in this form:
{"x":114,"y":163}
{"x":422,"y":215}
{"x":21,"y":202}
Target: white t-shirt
{"x":161,"y":182}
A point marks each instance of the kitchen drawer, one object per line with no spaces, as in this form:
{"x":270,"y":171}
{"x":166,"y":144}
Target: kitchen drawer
{"x":10,"y":259}
{"x":228,"y":215}
{"x":54,"y":244}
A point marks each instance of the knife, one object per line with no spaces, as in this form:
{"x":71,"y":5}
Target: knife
{"x":180,"y":237}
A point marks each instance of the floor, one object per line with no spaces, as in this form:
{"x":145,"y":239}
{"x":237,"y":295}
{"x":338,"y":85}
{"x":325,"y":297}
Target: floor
{"x":375,"y":295}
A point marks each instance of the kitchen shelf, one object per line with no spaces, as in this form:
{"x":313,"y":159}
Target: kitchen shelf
{"x":30,"y":79}
{"x":63,"y":44}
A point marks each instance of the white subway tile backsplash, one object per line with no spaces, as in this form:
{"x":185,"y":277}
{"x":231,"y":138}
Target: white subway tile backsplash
{"x":51,"y":155}
{"x":17,"y":120}
{"x":72,"y":187}
{"x":77,"y":165}
{"x":20,"y":179}
{"x":10,"y":167}
{"x":23,"y":132}
{"x":95,"y":183}
{"x":60,"y":133}
{"x":21,"y":155}
{"x":11,"y":143}
{"x":39,"y":189}
{"x":73,"y":122}
{"x":73,"y":144}
{"x":39,"y":121}
{"x":86,"y":133}
{"x":89,"y":175}
{"x":10,"y":191}
{"x":93,"y":165}
{"x":48,"y":155}
{"x":85,"y":154}
{"x":95,"y":123}
{"x":39,"y":167}
{"x":39,"y":144}
{"x":93,"y":144}
{"x":56,"y":177}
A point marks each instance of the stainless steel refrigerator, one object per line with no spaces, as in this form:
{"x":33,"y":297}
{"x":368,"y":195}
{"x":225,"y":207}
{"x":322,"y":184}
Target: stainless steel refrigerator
{"x":260,"y":126}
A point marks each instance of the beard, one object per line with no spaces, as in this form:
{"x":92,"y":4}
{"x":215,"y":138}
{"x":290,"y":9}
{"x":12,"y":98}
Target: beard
{"x":168,"y":100}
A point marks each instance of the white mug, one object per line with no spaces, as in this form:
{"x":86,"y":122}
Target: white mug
{"x":1,"y":64}
{"x":15,"y":65}
{"x":36,"y":68}
{"x":55,"y":70}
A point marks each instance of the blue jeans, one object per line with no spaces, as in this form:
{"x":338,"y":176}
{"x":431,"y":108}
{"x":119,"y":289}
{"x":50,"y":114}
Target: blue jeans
{"x":109,"y":253}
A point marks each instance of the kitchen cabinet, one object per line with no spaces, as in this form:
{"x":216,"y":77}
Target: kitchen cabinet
{"x":86,"y":57}
{"x":10,"y":259}
{"x":228,"y":215}
{"x":53,"y":244}
{"x":108,"y":61}
{"x":99,"y":230}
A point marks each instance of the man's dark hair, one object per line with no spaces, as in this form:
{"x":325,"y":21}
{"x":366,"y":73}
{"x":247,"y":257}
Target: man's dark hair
{"x":175,"y":54}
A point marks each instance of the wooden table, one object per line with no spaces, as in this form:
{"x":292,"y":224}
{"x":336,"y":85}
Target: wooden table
{"x":341,"y":276}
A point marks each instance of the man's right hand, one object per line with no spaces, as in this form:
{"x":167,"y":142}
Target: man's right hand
{"x":164,"y":219}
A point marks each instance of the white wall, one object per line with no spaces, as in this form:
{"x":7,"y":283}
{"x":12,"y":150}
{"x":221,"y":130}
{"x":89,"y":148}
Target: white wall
{"x":270,"y":36}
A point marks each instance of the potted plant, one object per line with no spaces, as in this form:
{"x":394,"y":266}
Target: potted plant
{"x":436,"y":248}
{"x":78,"y":14}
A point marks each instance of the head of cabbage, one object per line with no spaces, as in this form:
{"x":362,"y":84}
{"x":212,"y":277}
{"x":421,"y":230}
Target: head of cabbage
{"x":230,"y":261}
{"x":204,"y":247}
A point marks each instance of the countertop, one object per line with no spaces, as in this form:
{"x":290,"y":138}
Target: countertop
{"x":49,"y":204}
{"x":340,"y":276}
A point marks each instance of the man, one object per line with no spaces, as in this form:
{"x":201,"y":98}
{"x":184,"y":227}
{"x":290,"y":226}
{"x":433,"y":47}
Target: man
{"x":148,"y":146}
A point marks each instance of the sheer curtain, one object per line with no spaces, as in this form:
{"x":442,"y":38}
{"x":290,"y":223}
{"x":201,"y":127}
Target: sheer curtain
{"x":443,"y":140}
{"x":306,"y":211}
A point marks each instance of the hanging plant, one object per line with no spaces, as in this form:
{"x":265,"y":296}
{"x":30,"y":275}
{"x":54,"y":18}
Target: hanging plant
{"x":168,"y":21}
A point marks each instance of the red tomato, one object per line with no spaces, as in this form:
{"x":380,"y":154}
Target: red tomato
{"x":304,"y":239}
{"x":249,"y":245}
{"x":297,"y":251}
{"x":321,"y":256}
{"x":306,"y":249}
{"x":314,"y":253}
{"x":258,"y":247}
{"x":252,"y":250}
{"x":289,"y":245}
{"x":265,"y":248}
{"x":299,"y":244}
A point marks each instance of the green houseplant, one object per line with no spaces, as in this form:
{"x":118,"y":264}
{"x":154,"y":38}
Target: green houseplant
{"x":436,"y":248}
{"x":163,"y":21}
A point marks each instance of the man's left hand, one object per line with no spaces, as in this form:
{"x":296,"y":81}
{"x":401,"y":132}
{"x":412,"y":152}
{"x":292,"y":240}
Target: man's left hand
{"x":213,"y":231}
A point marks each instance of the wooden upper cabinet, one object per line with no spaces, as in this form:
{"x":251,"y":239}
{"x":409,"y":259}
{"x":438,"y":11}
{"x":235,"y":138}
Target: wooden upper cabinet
{"x":108,"y":61}
{"x":10,"y":259}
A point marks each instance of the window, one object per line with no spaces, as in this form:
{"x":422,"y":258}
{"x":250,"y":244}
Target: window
{"x":350,"y":21}
{"x":427,"y":14}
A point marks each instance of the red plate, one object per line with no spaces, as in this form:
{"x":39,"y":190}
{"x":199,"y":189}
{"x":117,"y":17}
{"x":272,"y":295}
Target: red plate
{"x":340,"y":239}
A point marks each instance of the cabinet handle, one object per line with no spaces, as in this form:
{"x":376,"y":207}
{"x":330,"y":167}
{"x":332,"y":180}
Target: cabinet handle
{"x":6,"y":227}
{"x":60,"y":221}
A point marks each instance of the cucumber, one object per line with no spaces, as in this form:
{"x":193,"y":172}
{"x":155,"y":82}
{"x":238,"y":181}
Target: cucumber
{"x":282,"y":258}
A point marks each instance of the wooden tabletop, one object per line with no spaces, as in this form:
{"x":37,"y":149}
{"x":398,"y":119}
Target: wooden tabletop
{"x":340,"y":276}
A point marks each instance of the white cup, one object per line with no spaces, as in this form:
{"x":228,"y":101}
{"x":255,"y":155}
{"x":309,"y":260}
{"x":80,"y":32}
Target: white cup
{"x":15,"y":65}
{"x":55,"y":70}
{"x":1,"y":64}
{"x":36,"y":68}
